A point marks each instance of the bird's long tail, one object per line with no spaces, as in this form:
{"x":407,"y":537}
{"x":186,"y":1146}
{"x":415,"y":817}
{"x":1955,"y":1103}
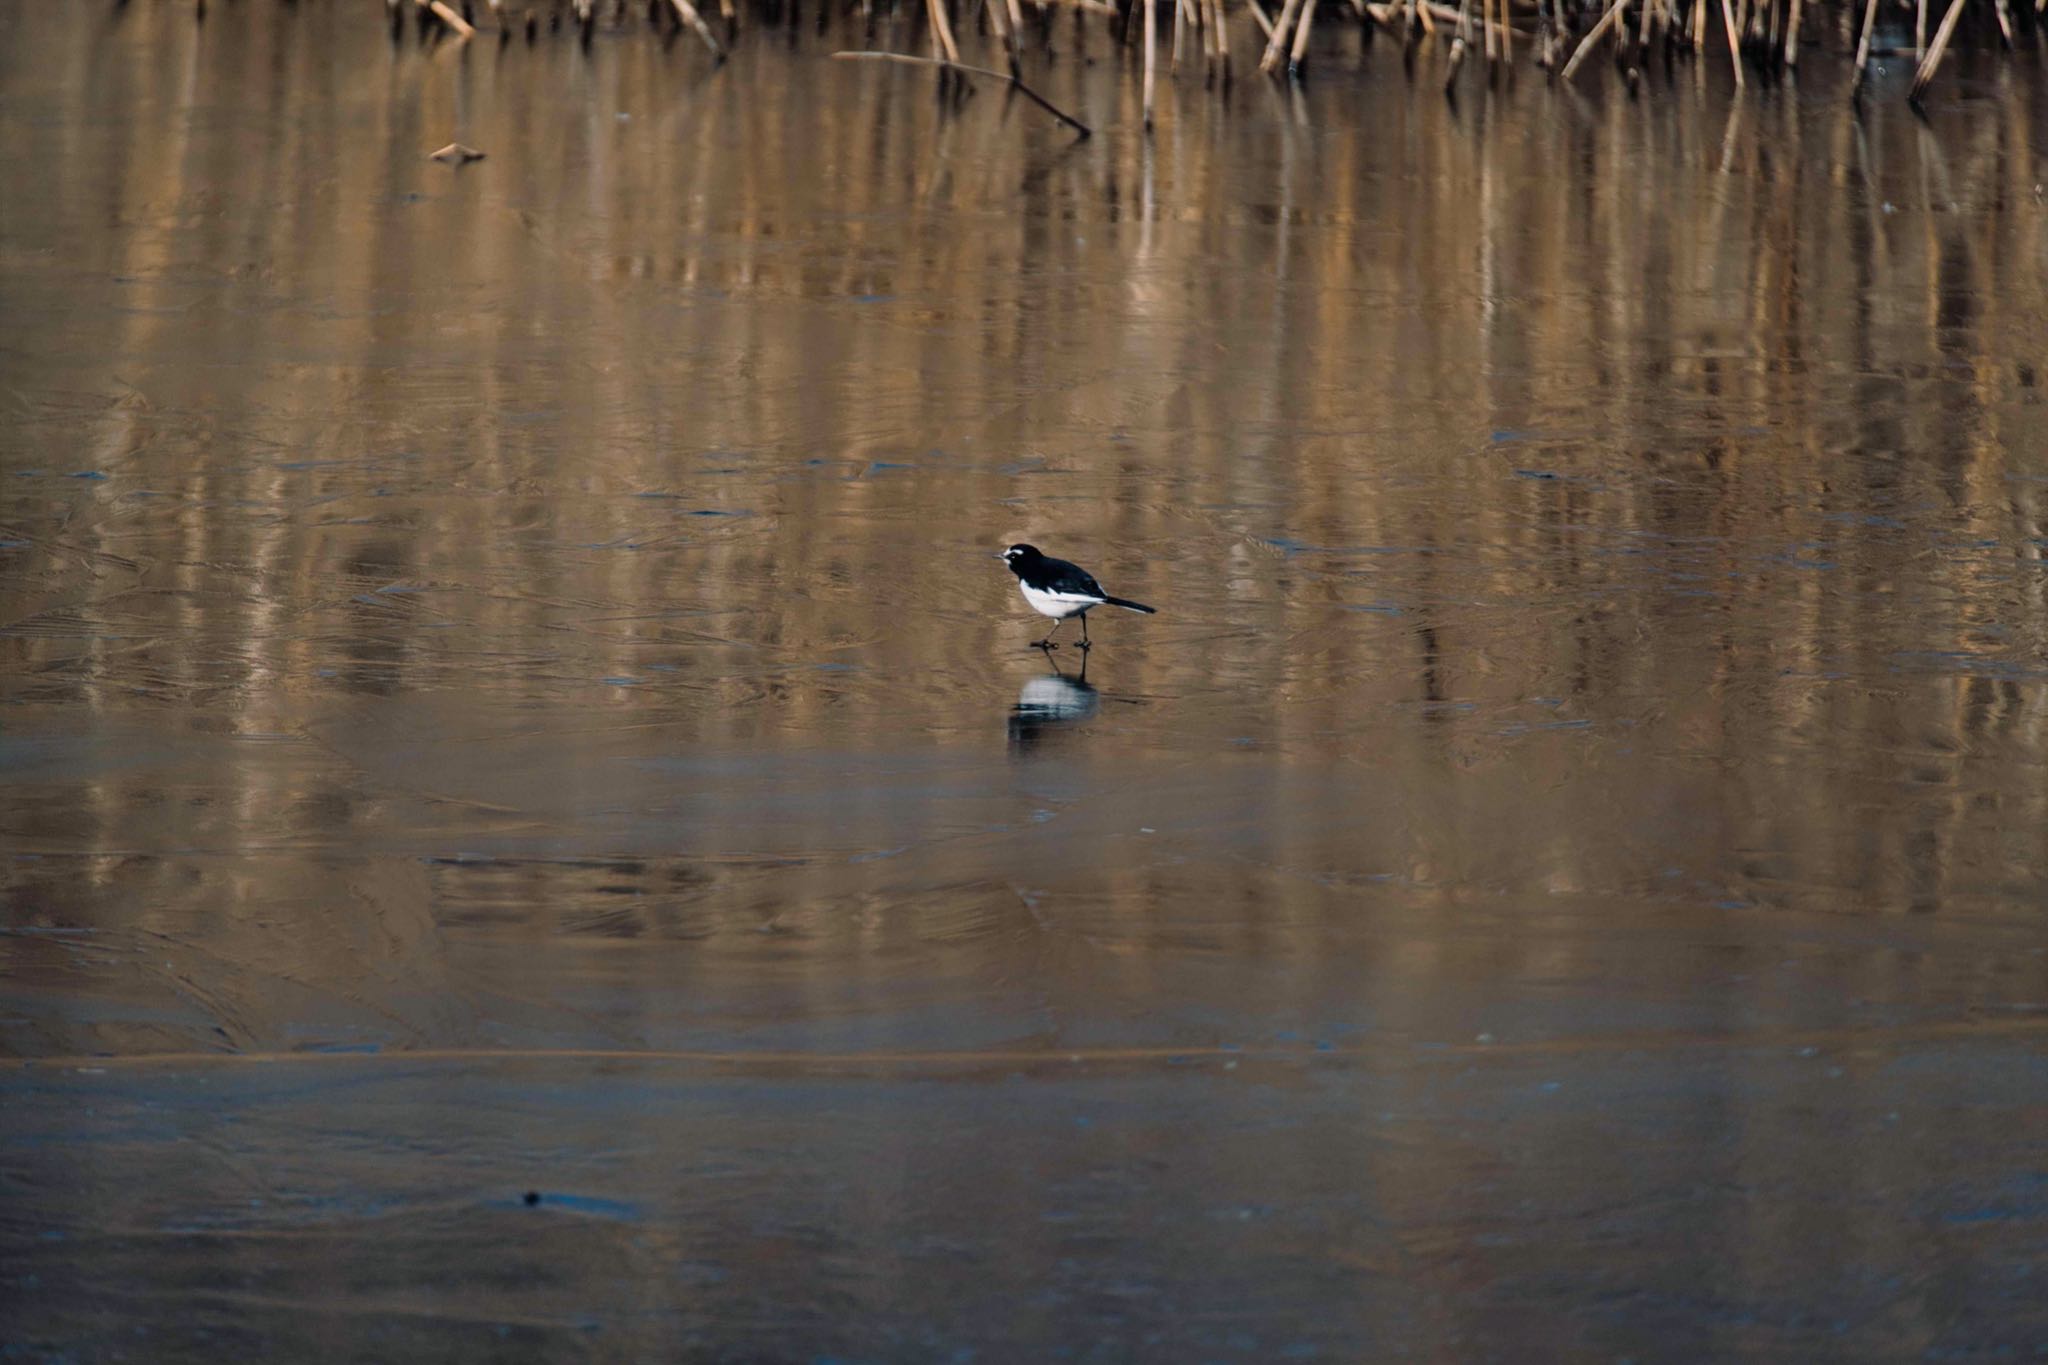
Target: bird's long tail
{"x":1129,"y":606}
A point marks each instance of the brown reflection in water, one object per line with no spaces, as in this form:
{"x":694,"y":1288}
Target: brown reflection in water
{"x":547,"y":605}
{"x":1682,"y":465}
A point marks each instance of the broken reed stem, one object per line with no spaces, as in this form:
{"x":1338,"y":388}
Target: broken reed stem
{"x":1151,"y":41}
{"x":1222,"y":34}
{"x":1734,"y":39}
{"x":1920,"y":30}
{"x":1792,"y":36}
{"x":463,"y":28}
{"x":1941,"y":36}
{"x":1459,"y":42}
{"x":999,"y":21}
{"x":1259,"y":13}
{"x":1863,"y":48}
{"x":942,"y":31}
{"x":687,"y":12}
{"x":1593,"y":35}
{"x":1300,"y":51}
{"x":1388,"y":16}
{"x":1277,"y":42}
{"x":907,"y":59}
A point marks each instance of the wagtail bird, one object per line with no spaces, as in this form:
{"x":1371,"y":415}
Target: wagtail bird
{"x":1058,"y":589}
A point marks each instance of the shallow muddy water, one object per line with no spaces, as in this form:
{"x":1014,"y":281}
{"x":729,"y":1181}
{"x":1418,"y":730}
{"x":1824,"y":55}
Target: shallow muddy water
{"x":532,"y":830}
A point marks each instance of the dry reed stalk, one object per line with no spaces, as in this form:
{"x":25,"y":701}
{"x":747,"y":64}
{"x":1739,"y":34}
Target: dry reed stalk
{"x":1594,"y":34}
{"x":1934,"y":53}
{"x":1259,"y":13}
{"x":1734,"y":40}
{"x":463,"y":28}
{"x":1300,"y":52}
{"x":1919,"y":30}
{"x":1486,"y":42}
{"x":687,"y":12}
{"x":1863,"y":48}
{"x":1386,"y":15}
{"x":1016,"y":12}
{"x":1180,"y":11}
{"x":1792,"y":36}
{"x":999,"y":20}
{"x":908,"y":60}
{"x":1222,"y":35}
{"x":1699,"y":25}
{"x":1461,"y":40}
{"x":1151,"y":40}
{"x":2004,"y":13}
{"x":942,"y":31}
{"x":1278,"y":42}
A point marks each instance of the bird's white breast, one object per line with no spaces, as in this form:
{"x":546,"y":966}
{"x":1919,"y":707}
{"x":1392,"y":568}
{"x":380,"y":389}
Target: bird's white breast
{"x":1057,"y":604}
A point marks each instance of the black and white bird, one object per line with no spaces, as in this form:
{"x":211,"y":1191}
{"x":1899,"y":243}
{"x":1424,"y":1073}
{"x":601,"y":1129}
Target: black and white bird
{"x":1058,"y":589}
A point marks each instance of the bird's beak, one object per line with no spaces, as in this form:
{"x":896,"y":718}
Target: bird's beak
{"x":999,"y":556}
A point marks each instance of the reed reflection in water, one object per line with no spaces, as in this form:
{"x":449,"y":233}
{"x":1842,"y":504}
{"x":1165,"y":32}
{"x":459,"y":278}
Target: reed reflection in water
{"x":515,"y":650}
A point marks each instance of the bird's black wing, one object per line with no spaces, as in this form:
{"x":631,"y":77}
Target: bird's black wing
{"x":1060,"y":576}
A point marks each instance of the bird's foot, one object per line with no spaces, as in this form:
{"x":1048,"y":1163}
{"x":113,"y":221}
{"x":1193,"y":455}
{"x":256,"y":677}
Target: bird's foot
{"x":1046,"y":645}
{"x":1084,"y":646}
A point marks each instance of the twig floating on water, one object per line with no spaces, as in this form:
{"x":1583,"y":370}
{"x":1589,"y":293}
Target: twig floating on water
{"x":1041,"y":101}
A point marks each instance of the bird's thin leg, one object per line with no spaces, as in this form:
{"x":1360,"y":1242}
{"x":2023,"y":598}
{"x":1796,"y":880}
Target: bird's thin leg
{"x":1047,"y":643}
{"x":1085,"y":646}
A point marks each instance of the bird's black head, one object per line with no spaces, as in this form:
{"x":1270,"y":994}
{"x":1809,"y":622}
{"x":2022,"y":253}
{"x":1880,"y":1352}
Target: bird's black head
{"x":1021,"y":557}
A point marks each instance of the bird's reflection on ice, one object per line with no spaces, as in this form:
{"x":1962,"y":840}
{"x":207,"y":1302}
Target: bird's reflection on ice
{"x":1051,"y":702}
